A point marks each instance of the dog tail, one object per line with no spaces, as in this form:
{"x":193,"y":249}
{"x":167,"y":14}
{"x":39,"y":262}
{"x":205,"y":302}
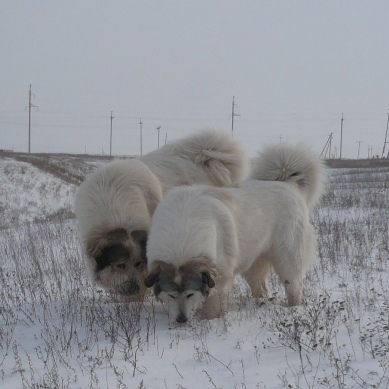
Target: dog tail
{"x":294,"y":164}
{"x":223,"y":159}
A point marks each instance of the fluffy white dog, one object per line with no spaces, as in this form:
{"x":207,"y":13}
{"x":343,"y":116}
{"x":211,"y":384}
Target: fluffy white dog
{"x":201,"y":237}
{"x":115,"y":203}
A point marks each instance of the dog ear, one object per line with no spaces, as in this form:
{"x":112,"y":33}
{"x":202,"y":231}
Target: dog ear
{"x":100,"y":238}
{"x":203,"y":266}
{"x":140,"y":236}
{"x":152,"y":277}
{"x":207,"y":279}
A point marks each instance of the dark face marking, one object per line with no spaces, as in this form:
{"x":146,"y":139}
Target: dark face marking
{"x":124,"y":251}
{"x":112,"y":255}
{"x":162,"y":279}
{"x":119,"y":260}
{"x":166,"y":278}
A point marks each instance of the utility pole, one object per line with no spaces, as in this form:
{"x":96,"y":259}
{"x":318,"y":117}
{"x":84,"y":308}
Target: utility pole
{"x":30,"y":105}
{"x":359,"y":147}
{"x":341,"y":137}
{"x":140,"y":133}
{"x":233,"y":116}
{"x":165,"y":138}
{"x":370,"y":152}
{"x":158,"y":128}
{"x":386,"y":136}
{"x":110,"y":138}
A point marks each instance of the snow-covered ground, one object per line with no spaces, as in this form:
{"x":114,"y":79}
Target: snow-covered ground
{"x":28,"y":195}
{"x":59,"y":331}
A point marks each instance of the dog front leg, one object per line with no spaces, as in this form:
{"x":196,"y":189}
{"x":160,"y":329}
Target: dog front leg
{"x":216,"y":304}
{"x":257,"y":276}
{"x":213,"y":307}
{"x":294,"y":291}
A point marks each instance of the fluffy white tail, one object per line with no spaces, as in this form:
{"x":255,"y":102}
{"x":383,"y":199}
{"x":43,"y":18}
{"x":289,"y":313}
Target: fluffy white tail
{"x":223,"y":159}
{"x":291,"y":163}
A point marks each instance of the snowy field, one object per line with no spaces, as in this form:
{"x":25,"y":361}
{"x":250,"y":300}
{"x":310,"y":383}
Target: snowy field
{"x":59,"y":331}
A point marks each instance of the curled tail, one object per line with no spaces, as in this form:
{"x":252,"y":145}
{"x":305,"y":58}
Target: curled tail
{"x":291,"y":163}
{"x":223,"y":159}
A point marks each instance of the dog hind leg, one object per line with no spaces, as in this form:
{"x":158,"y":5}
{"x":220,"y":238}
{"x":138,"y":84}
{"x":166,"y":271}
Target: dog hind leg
{"x":257,"y":276}
{"x":290,"y":266}
{"x":293,"y":258}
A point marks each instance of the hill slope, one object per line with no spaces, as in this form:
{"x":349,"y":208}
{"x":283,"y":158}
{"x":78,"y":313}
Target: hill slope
{"x":37,"y":187}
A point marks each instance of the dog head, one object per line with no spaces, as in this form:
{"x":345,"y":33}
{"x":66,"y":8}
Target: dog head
{"x":184,"y":289}
{"x":119,"y":260}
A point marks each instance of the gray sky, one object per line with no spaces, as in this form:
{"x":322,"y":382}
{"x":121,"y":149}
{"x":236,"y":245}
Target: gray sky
{"x":293,"y":66}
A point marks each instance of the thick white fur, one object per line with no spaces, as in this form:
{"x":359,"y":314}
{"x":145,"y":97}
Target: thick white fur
{"x":247,"y":229}
{"x":124,"y":194}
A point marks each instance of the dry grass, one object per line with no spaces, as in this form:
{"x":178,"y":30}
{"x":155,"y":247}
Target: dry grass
{"x":57,"y":330}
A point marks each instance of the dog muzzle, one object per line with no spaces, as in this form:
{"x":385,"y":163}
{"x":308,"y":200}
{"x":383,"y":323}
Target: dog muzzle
{"x":128,"y":288}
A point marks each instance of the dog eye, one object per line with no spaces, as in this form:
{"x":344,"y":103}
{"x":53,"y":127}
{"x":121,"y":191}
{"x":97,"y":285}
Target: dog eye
{"x":121,"y":266}
{"x":189,"y":295}
{"x":172,"y":296}
{"x":138,"y":264}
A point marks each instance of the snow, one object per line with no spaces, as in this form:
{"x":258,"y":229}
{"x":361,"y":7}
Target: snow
{"x":57,"y":330}
{"x":29,"y":195}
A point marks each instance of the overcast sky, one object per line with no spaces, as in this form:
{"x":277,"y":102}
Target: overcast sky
{"x":293,"y":66}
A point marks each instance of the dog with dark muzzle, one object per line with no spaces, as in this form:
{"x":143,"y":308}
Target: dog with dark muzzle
{"x":202,"y":237}
{"x":182,"y":289}
{"x":115,"y":203}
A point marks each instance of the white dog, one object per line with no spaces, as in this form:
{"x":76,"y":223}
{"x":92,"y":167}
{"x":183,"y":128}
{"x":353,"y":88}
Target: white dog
{"x":115,"y":203}
{"x":201,"y":237}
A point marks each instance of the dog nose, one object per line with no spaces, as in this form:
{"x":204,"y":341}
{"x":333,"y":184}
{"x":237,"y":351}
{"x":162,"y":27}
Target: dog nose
{"x":181,"y":319}
{"x":128,"y":288}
